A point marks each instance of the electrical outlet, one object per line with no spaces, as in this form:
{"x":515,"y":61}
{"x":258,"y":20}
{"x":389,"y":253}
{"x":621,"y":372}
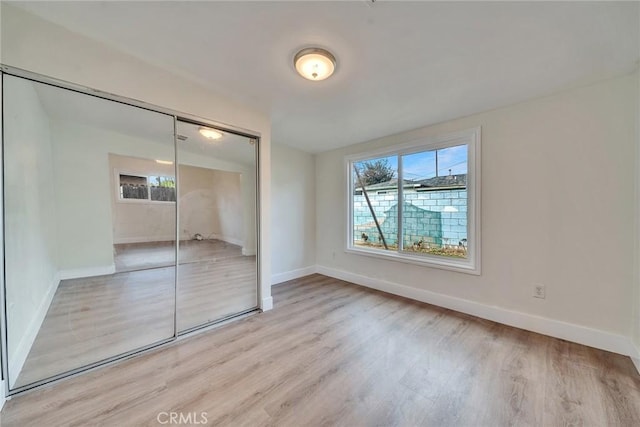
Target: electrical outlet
{"x":539,"y":291}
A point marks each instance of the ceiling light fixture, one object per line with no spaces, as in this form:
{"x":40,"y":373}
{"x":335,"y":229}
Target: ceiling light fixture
{"x":210,"y":133}
{"x":314,"y":63}
{"x":164,"y":162}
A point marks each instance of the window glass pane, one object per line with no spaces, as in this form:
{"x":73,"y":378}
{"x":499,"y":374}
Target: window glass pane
{"x":434,"y":209}
{"x":375,"y":179}
{"x":163,"y":188}
{"x":133,"y":187}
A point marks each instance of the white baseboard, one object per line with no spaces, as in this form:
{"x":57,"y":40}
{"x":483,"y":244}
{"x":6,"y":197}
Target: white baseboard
{"x":77,"y":273}
{"x":232,"y":240}
{"x":16,"y":361}
{"x":542,"y":325}
{"x":128,"y":240}
{"x":266,"y":304}
{"x":3,"y":396}
{"x":248,"y":252}
{"x":635,"y":356}
{"x":293,"y":274}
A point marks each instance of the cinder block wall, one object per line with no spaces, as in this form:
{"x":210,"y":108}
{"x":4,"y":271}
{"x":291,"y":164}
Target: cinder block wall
{"x":448,"y":226}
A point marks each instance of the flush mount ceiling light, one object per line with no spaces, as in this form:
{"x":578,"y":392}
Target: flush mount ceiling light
{"x":164,"y":162}
{"x":314,"y":63}
{"x":210,"y":133}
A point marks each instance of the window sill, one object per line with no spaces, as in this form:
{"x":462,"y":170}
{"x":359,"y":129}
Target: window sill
{"x":465,"y":266}
{"x":145,"y":202}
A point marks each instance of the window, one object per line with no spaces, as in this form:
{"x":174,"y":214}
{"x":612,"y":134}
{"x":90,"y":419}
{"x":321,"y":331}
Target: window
{"x":163,"y":188}
{"x":134,"y":187}
{"x":418,"y":202}
{"x":151,"y":188}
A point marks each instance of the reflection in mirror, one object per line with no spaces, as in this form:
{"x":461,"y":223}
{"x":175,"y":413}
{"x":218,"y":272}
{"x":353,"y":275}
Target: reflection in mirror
{"x":89,"y":229}
{"x":217,"y":274}
{"x":144,"y":212}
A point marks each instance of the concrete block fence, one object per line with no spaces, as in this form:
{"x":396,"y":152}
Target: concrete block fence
{"x":436,"y":217}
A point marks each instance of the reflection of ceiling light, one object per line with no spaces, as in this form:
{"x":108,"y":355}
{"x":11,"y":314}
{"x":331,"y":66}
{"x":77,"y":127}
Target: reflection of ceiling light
{"x":164,"y":162}
{"x":210,"y":133}
{"x":314,"y":63}
{"x":450,"y":209}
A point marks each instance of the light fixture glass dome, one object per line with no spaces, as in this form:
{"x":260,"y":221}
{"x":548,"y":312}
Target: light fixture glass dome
{"x":314,"y":63}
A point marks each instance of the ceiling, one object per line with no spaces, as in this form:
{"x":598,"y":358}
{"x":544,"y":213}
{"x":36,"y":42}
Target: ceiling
{"x":231,"y":147}
{"x":401,"y":65}
{"x":91,"y":111}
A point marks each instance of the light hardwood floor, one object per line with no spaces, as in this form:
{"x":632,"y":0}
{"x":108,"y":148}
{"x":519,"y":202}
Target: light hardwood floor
{"x":95,"y":318}
{"x":140,"y":256}
{"x":332,"y":353}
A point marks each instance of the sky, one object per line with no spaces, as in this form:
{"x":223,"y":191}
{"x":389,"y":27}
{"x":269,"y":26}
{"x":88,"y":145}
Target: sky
{"x":423,"y":165}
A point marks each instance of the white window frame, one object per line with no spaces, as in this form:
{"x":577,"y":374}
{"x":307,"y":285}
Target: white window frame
{"x":148,"y":200}
{"x":472,"y":138}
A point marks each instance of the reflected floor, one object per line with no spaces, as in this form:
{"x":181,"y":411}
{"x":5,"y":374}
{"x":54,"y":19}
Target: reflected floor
{"x":138,"y":256}
{"x":92,"y":319}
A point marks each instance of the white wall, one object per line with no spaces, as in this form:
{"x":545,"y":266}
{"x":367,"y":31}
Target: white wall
{"x":84,"y":183}
{"x":293,"y":212}
{"x":211,"y":204}
{"x":198,"y":213}
{"x":140,"y":221}
{"x":30,"y":218}
{"x":557,"y":209}
{"x":34,"y":44}
{"x":247,"y":176}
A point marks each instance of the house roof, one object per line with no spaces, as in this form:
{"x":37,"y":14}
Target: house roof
{"x":447,"y":181}
{"x":459,"y":180}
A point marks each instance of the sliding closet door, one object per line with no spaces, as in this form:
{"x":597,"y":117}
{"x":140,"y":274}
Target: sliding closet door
{"x":90,"y":226}
{"x":217,"y":225}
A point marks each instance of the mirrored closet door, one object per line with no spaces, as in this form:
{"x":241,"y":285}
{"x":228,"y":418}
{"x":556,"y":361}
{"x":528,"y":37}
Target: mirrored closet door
{"x":90,"y":229}
{"x":217,"y":271}
{"x":125,"y":225}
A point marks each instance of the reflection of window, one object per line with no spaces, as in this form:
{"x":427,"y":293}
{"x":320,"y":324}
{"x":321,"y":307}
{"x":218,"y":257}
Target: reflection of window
{"x":133,"y":187}
{"x":163,"y":188}
{"x":154,"y":188}
{"x":418,"y":202}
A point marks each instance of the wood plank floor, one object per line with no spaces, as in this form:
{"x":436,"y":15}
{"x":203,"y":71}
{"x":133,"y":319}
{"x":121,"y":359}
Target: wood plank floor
{"x":140,"y":256}
{"x":332,"y":353}
{"x":95,"y":318}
